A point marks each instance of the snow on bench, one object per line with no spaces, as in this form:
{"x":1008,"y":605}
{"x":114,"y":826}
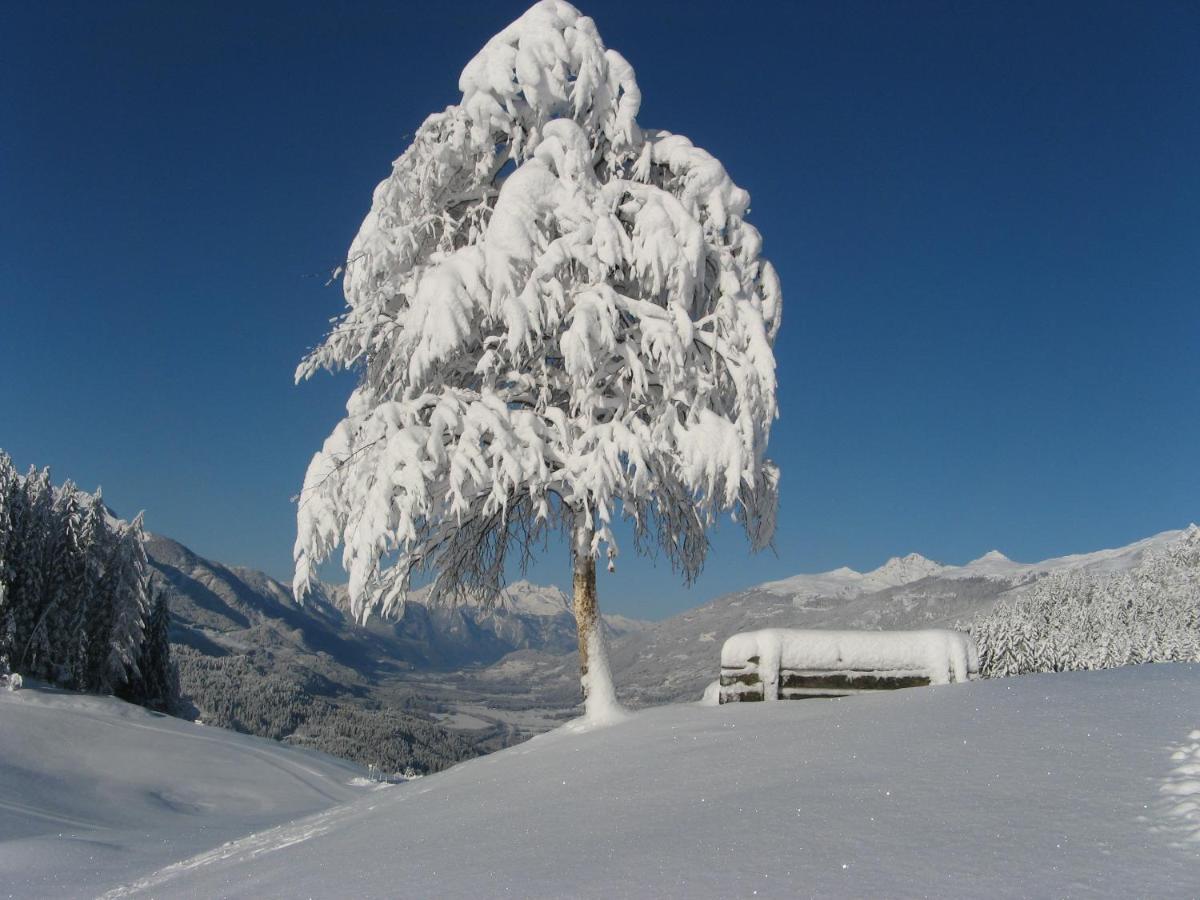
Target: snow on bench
{"x":794,"y":664}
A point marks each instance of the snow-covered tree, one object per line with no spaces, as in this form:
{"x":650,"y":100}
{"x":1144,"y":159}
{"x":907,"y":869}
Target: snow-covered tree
{"x":8,"y":624}
{"x":126,"y":584}
{"x":30,"y":544}
{"x":154,"y":682}
{"x":50,"y":655}
{"x":74,"y":586}
{"x":1080,"y":620}
{"x":558,"y":318}
{"x":88,"y":580}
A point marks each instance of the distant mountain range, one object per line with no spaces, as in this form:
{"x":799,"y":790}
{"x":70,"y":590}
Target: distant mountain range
{"x":231,"y":607}
{"x":526,"y":616}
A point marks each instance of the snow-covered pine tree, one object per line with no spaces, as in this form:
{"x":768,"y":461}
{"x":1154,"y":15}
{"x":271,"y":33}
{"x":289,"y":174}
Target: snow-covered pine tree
{"x":94,"y":543}
{"x":8,"y":481}
{"x":31,"y":541}
{"x":129,"y":582}
{"x":101,"y":609}
{"x":50,"y":654}
{"x":74,"y":586}
{"x":1080,"y":620}
{"x":558,"y":318}
{"x":155,"y":682}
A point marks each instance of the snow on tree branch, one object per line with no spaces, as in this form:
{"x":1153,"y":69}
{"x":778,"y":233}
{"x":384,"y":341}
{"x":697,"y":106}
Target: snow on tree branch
{"x":551,"y":309}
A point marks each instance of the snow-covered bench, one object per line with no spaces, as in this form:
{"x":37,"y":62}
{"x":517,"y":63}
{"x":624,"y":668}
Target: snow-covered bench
{"x":794,"y":664}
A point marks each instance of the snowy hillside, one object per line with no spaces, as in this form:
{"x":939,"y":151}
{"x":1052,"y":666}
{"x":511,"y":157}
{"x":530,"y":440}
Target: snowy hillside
{"x":1063,"y":785}
{"x":252,"y":659}
{"x":93,"y":790}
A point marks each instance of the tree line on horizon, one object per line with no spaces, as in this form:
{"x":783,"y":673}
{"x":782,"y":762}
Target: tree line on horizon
{"x":1079,"y":620}
{"x":77,"y":609}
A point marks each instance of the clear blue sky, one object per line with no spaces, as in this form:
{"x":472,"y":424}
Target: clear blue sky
{"x":986,"y":217}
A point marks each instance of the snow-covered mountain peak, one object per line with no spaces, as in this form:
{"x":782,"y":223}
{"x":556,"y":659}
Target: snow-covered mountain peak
{"x":995,"y":565}
{"x":991,"y":556}
{"x":535,"y":599}
{"x":844,"y":572}
{"x":845,"y":582}
{"x":992,"y":564}
{"x":841,"y":582}
{"x":902,"y":570}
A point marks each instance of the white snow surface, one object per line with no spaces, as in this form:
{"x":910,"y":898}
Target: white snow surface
{"x":94,"y":791}
{"x":943,"y":654}
{"x":1178,"y":809}
{"x":1048,"y":785}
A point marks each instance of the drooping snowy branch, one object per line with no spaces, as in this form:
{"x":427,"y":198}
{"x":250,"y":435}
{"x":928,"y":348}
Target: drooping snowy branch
{"x":551,"y":310}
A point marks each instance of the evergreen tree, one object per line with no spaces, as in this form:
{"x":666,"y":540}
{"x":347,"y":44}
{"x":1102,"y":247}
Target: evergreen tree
{"x":8,"y":481}
{"x":50,"y":652}
{"x":32,"y":564}
{"x":74,"y":591}
{"x":93,"y":541}
{"x":1080,"y":620}
{"x":127,"y":586}
{"x":154,"y":682}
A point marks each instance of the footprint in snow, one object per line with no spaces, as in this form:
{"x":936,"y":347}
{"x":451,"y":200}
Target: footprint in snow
{"x":1177,"y":809}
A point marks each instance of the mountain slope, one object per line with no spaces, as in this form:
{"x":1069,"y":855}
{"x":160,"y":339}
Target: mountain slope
{"x":86,"y":781}
{"x":1058,"y":785}
{"x":250,"y":658}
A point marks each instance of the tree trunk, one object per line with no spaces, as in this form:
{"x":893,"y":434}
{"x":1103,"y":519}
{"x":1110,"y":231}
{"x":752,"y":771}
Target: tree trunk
{"x":600,"y":704}
{"x":585,"y":592}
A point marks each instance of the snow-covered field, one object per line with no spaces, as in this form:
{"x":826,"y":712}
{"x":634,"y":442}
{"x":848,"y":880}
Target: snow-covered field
{"x":94,"y":791}
{"x":1054,"y":785}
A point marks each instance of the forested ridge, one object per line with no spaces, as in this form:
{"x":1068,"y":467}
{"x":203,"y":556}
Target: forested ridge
{"x":259,"y":693}
{"x":1079,"y":620}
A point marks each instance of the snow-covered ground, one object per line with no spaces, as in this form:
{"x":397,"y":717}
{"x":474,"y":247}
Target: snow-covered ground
{"x":94,"y":791}
{"x":1053,"y":785}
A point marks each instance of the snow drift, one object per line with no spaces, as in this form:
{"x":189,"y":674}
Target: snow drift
{"x":94,"y":791}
